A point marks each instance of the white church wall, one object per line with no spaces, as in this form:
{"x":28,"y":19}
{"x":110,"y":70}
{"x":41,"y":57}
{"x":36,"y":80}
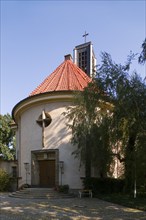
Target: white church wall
{"x":57,"y":136}
{"x":30,"y":140}
{"x":72,"y":172}
{"x":57,"y":132}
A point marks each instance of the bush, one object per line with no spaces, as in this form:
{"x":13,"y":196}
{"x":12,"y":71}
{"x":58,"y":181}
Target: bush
{"x":4,"y":180}
{"x":63,"y":188}
{"x":104,"y":185}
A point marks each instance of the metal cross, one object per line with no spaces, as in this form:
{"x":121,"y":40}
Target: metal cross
{"x":43,"y":128}
{"x":85,"y":35}
{"x":44,"y":120}
{"x":41,"y":121}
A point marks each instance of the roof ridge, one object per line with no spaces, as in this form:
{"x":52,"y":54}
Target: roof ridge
{"x":72,"y":66}
{"x":80,"y":71}
{"x":61,"y":75}
{"x":54,"y":73}
{"x":69,"y":86}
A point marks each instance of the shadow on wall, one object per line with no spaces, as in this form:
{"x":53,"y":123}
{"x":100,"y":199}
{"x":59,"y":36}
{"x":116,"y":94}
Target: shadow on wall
{"x":57,"y":133}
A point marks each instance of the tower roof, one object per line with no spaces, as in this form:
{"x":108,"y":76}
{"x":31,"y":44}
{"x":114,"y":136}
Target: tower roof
{"x":66,"y":77}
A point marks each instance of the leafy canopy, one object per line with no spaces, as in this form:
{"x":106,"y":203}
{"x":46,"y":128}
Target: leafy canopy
{"x":7,"y":138}
{"x":142,"y":57}
{"x":127,"y":93}
{"x":110,"y":116}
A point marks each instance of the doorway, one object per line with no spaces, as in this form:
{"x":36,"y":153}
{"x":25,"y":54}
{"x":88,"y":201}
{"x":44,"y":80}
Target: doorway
{"x":47,"y":173}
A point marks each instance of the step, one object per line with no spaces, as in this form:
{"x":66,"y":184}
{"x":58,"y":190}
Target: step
{"x":39,"y":193}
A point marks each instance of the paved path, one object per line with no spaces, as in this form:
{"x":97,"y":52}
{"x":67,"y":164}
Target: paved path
{"x":65,"y":209}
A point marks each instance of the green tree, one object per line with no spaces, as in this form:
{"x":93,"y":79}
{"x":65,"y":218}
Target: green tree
{"x":142,"y":57}
{"x":87,"y":124}
{"x":128,"y":121}
{"x":7,"y":138}
{"x":111,"y":112}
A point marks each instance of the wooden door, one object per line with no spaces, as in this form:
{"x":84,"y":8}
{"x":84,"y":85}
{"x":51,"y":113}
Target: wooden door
{"x":47,"y":173}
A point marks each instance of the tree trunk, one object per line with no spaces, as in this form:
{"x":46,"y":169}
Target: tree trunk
{"x":88,"y":160}
{"x":130,"y":163}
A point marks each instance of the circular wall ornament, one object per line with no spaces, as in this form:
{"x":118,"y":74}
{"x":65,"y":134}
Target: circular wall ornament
{"x":45,"y":119}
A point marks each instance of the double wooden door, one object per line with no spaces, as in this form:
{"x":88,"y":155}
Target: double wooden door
{"x":47,"y":173}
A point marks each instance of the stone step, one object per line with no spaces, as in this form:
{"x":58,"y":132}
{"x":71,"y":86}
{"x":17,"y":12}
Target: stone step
{"x":39,"y":193}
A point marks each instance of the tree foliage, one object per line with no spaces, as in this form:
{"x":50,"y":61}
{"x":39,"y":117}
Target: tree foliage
{"x":142,"y":57}
{"x":108,"y":120}
{"x":4,"y":180}
{"x":7,"y":138}
{"x":89,"y":130}
{"x":128,"y":123}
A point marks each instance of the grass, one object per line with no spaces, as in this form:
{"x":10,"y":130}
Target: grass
{"x":126,"y":200}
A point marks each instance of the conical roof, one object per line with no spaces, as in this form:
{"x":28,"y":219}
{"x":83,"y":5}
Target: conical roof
{"x":67,"y":77}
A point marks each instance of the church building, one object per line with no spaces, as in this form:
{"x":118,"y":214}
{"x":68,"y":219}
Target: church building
{"x":44,"y":150}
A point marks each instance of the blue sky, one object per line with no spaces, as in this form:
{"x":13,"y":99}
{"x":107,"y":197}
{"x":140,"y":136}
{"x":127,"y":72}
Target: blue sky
{"x":35,"y":36}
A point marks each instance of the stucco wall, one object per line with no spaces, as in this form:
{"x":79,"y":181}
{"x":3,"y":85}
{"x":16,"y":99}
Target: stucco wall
{"x":8,"y":166}
{"x":57,"y":136}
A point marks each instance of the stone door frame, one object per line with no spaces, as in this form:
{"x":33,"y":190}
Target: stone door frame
{"x":45,"y":154}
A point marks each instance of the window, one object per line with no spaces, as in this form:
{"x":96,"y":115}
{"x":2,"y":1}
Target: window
{"x":82,"y":60}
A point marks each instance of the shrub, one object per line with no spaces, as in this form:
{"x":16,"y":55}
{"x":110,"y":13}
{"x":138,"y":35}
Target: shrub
{"x":4,"y":180}
{"x":63,"y":188}
{"x":104,"y":185}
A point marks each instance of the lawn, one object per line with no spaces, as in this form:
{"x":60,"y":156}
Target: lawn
{"x":126,"y":200}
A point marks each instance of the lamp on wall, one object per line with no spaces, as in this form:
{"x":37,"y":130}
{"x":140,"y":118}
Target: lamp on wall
{"x":26,"y":166}
{"x":61,"y":165}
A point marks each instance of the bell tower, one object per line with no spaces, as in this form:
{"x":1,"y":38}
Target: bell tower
{"x":84,"y":58}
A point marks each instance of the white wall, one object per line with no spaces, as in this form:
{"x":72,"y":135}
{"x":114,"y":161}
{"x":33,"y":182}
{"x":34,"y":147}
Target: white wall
{"x":8,"y":166}
{"x":57,"y":136}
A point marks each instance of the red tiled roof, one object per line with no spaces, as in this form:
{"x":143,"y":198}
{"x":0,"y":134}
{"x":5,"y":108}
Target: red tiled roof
{"x":67,"y":77}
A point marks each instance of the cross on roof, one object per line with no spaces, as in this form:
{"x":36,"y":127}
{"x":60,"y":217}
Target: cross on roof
{"x":85,"y":35}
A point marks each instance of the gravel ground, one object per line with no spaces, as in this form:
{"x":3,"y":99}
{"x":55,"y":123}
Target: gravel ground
{"x":59,"y":209}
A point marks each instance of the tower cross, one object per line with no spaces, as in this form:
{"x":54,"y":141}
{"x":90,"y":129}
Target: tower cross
{"x":85,"y":35}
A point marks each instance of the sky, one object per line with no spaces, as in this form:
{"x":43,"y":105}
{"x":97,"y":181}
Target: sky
{"x":35,"y":36}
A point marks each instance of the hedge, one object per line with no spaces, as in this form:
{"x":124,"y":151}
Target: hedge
{"x":104,"y":185}
{"x":4,"y":180}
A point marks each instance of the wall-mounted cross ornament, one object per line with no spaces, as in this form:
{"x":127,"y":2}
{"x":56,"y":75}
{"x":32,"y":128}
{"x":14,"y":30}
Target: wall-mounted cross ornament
{"x":44,"y":120}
